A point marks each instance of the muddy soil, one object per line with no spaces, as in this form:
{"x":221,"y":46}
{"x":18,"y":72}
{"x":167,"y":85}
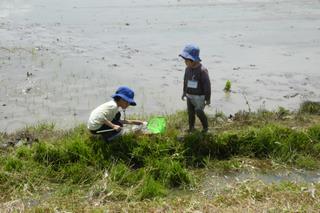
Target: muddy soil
{"x":60,"y":59}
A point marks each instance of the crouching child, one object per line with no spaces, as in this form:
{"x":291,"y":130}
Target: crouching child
{"x":105,"y":119}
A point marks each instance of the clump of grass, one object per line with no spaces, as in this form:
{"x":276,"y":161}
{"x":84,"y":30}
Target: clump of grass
{"x":125,"y":176}
{"x":218,"y":118}
{"x":151,"y":188}
{"x":48,"y":154}
{"x":170,"y":173}
{"x":306,"y":162}
{"x":13,"y":164}
{"x":277,"y":142}
{"x":227,"y":87}
{"x":282,"y":113}
{"x":24,"y":152}
{"x":310,"y":107}
{"x":243,"y":116}
{"x":119,"y":173}
{"x":176,"y":122}
{"x":78,"y":173}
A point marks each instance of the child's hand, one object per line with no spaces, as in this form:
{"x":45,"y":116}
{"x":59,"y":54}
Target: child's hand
{"x":135,"y":122}
{"x":139,"y":122}
{"x":117,"y":128}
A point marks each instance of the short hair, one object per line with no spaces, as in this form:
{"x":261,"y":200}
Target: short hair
{"x":187,"y":59}
{"x":116,"y":98}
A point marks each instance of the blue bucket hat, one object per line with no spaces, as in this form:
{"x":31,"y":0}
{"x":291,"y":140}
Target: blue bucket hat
{"x":126,"y":94}
{"x":191,"y":52}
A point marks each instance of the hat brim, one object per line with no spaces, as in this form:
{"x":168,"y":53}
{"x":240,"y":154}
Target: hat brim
{"x":129,"y":100}
{"x":186,"y":55}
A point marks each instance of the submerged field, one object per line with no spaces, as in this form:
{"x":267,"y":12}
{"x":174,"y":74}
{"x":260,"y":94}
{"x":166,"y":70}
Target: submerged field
{"x":47,"y":169}
{"x":61,"y":59}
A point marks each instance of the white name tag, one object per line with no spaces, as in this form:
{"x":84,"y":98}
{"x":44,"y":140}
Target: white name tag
{"x":192,"y":84}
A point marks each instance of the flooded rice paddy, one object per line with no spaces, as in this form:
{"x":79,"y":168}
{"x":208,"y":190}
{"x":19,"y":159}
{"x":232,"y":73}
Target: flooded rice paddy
{"x":60,"y":59}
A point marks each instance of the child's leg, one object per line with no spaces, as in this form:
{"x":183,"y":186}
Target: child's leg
{"x":107,"y":136}
{"x":203,"y":118}
{"x":199,"y":105}
{"x":104,"y":135}
{"x":191,"y":114}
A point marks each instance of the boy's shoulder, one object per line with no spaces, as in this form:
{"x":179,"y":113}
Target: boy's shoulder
{"x":203,"y":69}
{"x":109,"y":104}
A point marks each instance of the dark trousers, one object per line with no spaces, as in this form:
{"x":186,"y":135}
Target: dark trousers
{"x":108,"y":135}
{"x":192,"y":112}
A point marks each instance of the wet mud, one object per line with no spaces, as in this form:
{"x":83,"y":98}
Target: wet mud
{"x":60,"y":59}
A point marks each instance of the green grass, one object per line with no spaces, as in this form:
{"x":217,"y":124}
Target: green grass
{"x":140,"y":167}
{"x":310,"y":107}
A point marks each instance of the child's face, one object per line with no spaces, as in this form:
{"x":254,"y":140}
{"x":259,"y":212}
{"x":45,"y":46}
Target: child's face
{"x":123,"y":104}
{"x":188,"y":62}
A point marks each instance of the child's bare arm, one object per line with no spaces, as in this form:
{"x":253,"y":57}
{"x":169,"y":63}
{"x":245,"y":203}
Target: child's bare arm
{"x":135,"y":122}
{"x":111,"y":125}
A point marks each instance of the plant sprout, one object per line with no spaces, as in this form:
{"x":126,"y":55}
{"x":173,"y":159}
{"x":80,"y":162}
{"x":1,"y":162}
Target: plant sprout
{"x":227,"y":87}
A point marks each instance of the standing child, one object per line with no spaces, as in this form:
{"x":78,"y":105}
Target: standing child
{"x":196,"y":86}
{"x":105,"y":119}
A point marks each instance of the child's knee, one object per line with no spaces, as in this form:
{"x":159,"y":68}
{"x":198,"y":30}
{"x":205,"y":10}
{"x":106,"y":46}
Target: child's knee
{"x":199,"y":111}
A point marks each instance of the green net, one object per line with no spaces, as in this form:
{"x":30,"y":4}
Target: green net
{"x":157,"y":125}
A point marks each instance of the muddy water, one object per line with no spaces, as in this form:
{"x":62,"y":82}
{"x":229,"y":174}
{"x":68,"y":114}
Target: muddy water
{"x":215,"y":183}
{"x":60,"y":59}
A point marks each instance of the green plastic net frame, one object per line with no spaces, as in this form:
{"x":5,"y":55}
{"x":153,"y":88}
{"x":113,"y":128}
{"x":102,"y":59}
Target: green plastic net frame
{"x":157,"y":125}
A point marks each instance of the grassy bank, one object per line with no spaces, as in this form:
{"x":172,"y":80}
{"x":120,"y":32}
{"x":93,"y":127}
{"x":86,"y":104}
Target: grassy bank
{"x":73,"y":170}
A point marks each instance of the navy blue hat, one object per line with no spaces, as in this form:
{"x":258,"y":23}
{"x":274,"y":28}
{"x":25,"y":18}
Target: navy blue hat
{"x":126,"y":94}
{"x":191,"y":52}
